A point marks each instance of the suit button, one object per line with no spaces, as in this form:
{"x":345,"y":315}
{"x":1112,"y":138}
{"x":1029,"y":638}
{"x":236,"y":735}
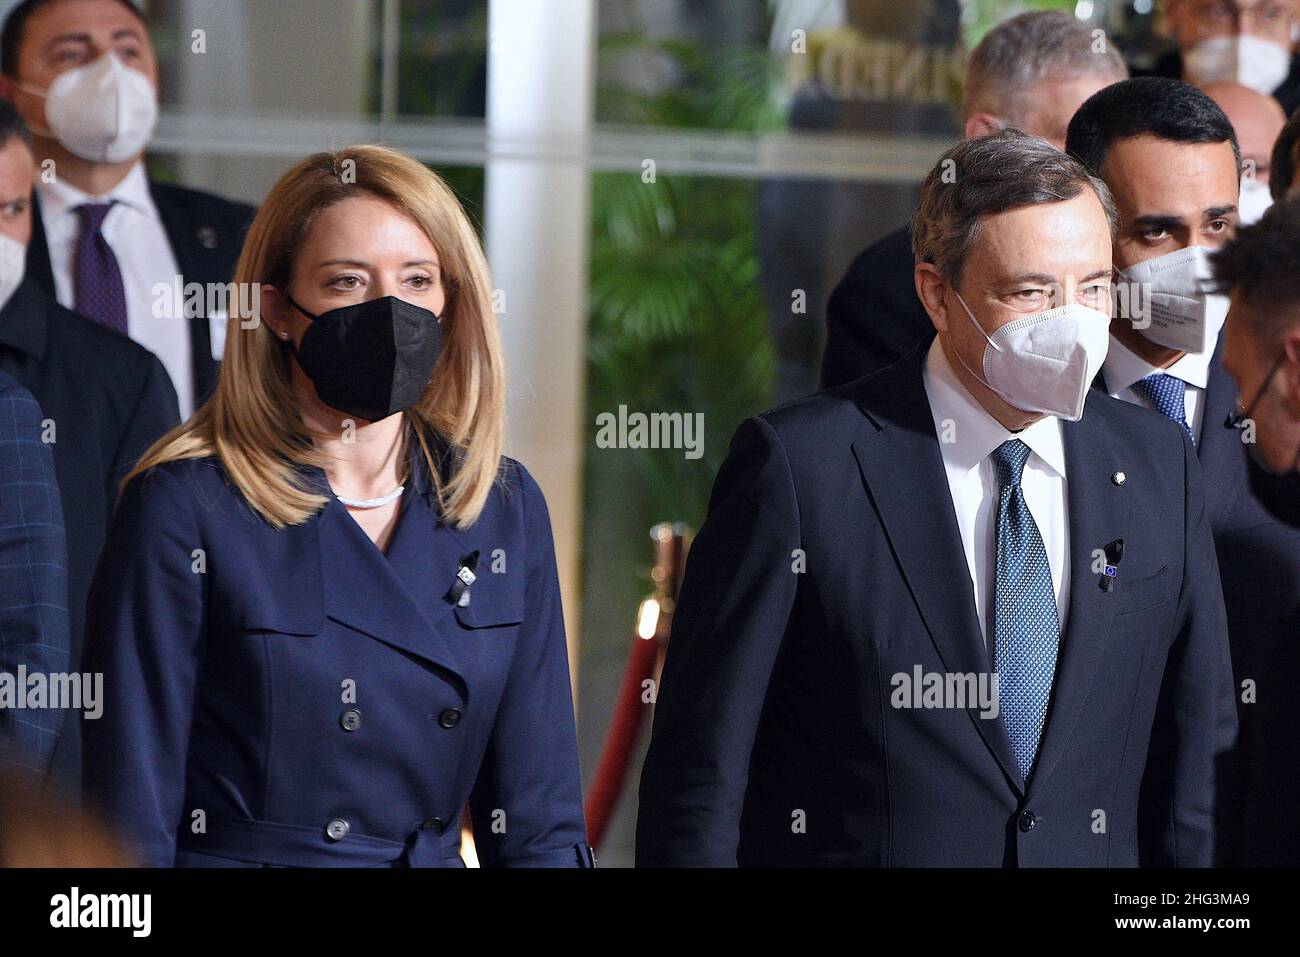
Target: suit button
{"x":1028,"y":821}
{"x":432,"y":824}
{"x":337,"y":829}
{"x":449,"y":718}
{"x":351,"y":719}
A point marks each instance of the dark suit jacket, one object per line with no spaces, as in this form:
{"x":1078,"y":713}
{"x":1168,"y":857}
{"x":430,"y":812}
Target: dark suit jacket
{"x":109,"y":399}
{"x":314,"y":701}
{"x":874,"y":315}
{"x":33,"y":577}
{"x":1259,"y":565}
{"x":775,"y":742}
{"x":206,"y":233}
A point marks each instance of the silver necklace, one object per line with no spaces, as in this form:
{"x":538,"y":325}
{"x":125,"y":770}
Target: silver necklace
{"x":372,"y":502}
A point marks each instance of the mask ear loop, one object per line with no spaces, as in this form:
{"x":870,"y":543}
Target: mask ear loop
{"x":975,"y":322}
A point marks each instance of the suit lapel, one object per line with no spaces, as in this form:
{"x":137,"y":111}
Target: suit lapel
{"x":904,"y":474}
{"x":38,"y":251}
{"x":194,"y":244}
{"x":1220,"y":452}
{"x":1098,"y":516}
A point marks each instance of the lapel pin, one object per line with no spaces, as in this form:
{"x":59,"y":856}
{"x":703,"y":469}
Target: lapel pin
{"x":1119,"y":478}
{"x":459,"y":592}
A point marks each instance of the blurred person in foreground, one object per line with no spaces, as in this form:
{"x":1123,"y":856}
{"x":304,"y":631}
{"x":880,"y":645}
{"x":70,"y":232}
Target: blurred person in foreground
{"x":1260,"y":271}
{"x":964,"y":611}
{"x":1284,"y":170}
{"x":1171,"y":160}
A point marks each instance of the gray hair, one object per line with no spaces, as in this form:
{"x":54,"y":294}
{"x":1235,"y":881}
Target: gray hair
{"x":990,"y":175}
{"x":1018,"y":54}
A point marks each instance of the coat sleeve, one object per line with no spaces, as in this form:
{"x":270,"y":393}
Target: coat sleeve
{"x":145,"y":626}
{"x":526,"y":804}
{"x":730,"y":620}
{"x":33,"y":578}
{"x":1196,"y":717}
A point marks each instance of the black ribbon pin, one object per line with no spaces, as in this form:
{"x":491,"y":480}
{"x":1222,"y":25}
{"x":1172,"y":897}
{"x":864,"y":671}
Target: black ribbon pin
{"x":459,"y":592}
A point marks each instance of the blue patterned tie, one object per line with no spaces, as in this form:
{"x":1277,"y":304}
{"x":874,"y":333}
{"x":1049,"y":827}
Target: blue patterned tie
{"x":1168,"y":396}
{"x":98,"y":288}
{"x":1025,"y":627}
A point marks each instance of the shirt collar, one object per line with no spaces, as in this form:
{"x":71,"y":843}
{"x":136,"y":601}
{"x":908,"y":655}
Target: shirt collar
{"x":59,"y":197}
{"x":1124,"y":368}
{"x":974,"y":434}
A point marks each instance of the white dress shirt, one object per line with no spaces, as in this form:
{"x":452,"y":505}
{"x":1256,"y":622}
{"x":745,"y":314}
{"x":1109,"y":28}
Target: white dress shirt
{"x":135,"y":233}
{"x":1124,"y":368}
{"x":967,"y":437}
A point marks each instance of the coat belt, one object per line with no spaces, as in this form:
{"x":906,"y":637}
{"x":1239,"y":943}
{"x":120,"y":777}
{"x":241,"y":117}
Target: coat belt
{"x":297,"y":845}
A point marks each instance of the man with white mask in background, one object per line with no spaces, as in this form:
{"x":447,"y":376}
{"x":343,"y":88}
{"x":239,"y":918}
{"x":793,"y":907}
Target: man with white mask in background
{"x":1234,"y":41}
{"x":1257,"y":120}
{"x":1171,"y":160}
{"x":83,"y":75}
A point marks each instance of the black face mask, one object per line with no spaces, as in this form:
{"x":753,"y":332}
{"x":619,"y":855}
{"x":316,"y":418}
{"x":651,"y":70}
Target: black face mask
{"x":372,"y":358}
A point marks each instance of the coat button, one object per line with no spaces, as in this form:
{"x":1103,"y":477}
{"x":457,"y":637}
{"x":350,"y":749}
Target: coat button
{"x":337,"y":829}
{"x":351,"y":719}
{"x":1028,"y":821}
{"x":449,"y":718}
{"x":432,"y":824}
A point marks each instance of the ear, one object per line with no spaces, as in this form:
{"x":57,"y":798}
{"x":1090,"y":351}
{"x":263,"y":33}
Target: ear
{"x":930,"y":289}
{"x":980,"y":124}
{"x":274,"y":311}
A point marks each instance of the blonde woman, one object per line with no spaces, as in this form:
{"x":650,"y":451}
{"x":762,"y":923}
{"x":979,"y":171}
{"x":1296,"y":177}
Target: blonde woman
{"x":328,"y":615}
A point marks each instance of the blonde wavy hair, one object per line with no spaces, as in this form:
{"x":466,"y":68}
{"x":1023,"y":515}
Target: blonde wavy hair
{"x":251,"y":421}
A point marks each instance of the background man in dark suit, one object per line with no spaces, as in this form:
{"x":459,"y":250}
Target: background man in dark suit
{"x":1260,"y":269}
{"x":104,"y":236}
{"x":107,"y":399}
{"x":874,"y":552}
{"x":1031,"y":73}
{"x":1234,"y":41}
{"x":34,"y":582}
{"x":1170,"y":158}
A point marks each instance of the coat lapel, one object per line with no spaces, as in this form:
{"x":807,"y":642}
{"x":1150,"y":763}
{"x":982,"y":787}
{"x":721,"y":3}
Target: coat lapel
{"x":394,"y":597}
{"x":904,"y":474}
{"x":1098,"y":515}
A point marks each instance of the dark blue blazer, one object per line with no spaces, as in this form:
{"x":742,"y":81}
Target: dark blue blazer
{"x":298,"y":697}
{"x":774,"y":740}
{"x":33,"y":576}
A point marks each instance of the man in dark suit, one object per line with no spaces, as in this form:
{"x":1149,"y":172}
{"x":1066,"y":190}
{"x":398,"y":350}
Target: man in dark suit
{"x":875,"y":554}
{"x":1260,"y":269}
{"x":106,"y":240}
{"x":1031,"y":73}
{"x":105,"y":398}
{"x":33,"y":584}
{"x":1234,"y":41}
{"x":1170,"y":157}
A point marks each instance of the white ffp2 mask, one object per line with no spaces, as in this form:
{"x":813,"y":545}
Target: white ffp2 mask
{"x":1182,"y":313}
{"x":103,"y":111}
{"x":1045,"y":362}
{"x":1245,"y":59}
